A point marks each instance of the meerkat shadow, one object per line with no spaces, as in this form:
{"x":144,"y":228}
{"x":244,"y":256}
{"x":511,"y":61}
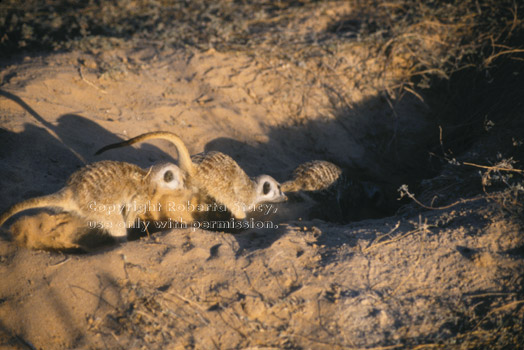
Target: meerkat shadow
{"x":86,"y":136}
{"x":254,"y":239}
{"x":32,"y":163}
{"x":72,"y":136}
{"x":38,"y":159}
{"x":94,"y":242}
{"x":5,"y":236}
{"x":10,"y":337}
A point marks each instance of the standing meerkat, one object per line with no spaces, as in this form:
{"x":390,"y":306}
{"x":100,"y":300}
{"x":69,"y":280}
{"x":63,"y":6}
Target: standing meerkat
{"x":218,"y":176}
{"x":109,"y":194}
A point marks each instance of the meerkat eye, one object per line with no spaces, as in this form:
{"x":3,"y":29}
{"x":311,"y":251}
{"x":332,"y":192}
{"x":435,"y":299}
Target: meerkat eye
{"x":266,"y":188}
{"x":168,"y":176}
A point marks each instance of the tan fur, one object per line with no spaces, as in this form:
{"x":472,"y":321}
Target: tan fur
{"x":223,"y":179}
{"x":60,"y":231}
{"x":173,"y":205}
{"x":97,"y":192}
{"x":216,"y":174}
{"x":315,"y":175}
{"x":48,"y":231}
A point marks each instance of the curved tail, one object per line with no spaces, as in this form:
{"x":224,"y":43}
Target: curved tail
{"x":183,"y":154}
{"x":52,"y":200}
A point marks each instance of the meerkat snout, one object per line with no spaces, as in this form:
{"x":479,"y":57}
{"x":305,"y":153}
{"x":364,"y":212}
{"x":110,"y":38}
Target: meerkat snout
{"x":268,"y":190}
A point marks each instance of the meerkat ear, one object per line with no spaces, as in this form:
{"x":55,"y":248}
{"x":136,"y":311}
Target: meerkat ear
{"x":266,"y":187}
{"x":168,"y":176}
{"x":173,"y":177}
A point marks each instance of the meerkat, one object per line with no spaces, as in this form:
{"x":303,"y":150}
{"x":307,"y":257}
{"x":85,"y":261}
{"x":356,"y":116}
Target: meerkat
{"x":109,"y":195}
{"x":315,"y":175}
{"x":333,"y":194}
{"x":218,"y":176}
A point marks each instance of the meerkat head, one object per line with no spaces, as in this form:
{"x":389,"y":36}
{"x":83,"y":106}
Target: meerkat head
{"x":268,"y":190}
{"x":167,"y":176}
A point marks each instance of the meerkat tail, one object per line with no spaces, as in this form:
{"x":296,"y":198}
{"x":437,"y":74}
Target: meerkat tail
{"x":183,"y":154}
{"x":59,"y":199}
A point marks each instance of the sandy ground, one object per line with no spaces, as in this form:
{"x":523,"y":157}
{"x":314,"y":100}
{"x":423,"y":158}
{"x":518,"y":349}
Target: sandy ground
{"x":418,"y":279}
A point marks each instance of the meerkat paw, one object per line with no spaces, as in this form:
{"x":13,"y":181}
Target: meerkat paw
{"x":238,"y":214}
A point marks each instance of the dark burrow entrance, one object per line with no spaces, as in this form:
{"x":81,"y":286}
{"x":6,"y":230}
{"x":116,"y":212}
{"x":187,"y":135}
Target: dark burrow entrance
{"x":430,"y":143}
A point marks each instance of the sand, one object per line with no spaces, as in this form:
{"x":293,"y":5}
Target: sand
{"x":412,"y":278}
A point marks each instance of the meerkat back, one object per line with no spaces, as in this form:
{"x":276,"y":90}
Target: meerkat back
{"x":106,"y":182}
{"x":93,"y":193}
{"x":105,"y":191}
{"x":225,"y":181}
{"x":315,"y":175}
{"x":109,"y":195}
